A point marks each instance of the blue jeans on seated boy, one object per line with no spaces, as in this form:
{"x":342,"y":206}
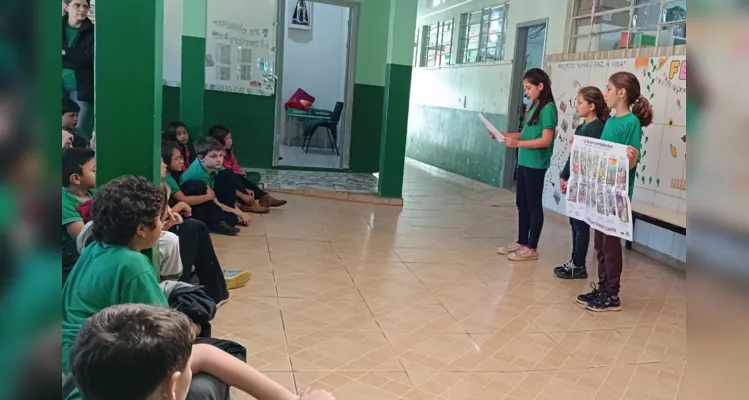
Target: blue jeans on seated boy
{"x":209,"y":212}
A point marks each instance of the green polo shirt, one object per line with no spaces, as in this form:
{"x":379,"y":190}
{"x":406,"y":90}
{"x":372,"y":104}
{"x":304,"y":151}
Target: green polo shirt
{"x":196,"y":172}
{"x":628,"y":131}
{"x":105,"y":275}
{"x":69,"y":212}
{"x":68,"y":75}
{"x":547,"y":119}
{"x":172,"y":183}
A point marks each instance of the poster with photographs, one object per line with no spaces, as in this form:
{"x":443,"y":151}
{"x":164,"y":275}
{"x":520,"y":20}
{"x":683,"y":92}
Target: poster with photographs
{"x":597,"y":189}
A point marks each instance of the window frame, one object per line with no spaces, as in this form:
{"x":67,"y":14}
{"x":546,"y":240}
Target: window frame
{"x":591,"y":17}
{"x":443,"y":44}
{"x":484,"y":31}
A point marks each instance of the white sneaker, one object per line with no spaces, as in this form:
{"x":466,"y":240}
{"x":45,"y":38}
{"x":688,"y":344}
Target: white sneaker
{"x":509,"y":249}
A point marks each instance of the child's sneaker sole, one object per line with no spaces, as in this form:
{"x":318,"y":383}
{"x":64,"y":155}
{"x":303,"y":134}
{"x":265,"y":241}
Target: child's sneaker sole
{"x":238,"y":280}
{"x":612,"y":308}
{"x":516,"y":257}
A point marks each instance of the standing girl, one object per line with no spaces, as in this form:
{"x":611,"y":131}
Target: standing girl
{"x":78,"y":62}
{"x":592,"y":107}
{"x":535,"y":146}
{"x":632,"y":113}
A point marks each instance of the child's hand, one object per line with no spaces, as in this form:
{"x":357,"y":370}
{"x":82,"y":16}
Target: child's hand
{"x":210,"y":193}
{"x":251,"y":193}
{"x":632,"y":155}
{"x":186,"y":210}
{"x":512,"y":142}
{"x":244,"y":218}
{"x":491,"y":135}
{"x":316,"y":394}
{"x":172,"y":220}
{"x":563,"y":185}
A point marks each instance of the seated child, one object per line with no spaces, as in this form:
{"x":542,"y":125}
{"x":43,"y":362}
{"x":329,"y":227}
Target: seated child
{"x":223,"y":135}
{"x":67,"y":139}
{"x":70,"y":110}
{"x":177,"y":132}
{"x":137,"y":351}
{"x":202,"y":206}
{"x":78,"y":182}
{"x":207,"y":173}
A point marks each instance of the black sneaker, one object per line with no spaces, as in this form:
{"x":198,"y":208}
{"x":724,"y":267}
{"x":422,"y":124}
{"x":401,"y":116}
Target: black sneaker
{"x":222,"y":228}
{"x":561,"y":267}
{"x":572,"y":272}
{"x":604,"y":303}
{"x":584,"y":299}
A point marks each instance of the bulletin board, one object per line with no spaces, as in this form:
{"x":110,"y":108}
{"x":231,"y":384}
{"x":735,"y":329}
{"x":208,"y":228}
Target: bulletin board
{"x":241,"y":46}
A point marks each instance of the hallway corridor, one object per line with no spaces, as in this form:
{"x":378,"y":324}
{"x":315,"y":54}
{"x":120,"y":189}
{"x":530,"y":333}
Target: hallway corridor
{"x":387,"y":303}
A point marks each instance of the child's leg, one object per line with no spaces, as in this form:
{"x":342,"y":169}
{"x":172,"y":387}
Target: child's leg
{"x":196,"y":249}
{"x":208,"y":212}
{"x":534,"y":186}
{"x":598,"y":244}
{"x":581,"y":242}
{"x":612,"y":250}
{"x":207,"y":387}
{"x":521,"y":200}
{"x":225,"y":188}
{"x":573,"y":225}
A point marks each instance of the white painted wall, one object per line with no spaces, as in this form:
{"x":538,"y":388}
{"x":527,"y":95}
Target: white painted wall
{"x":315,"y":60}
{"x":485,"y":87}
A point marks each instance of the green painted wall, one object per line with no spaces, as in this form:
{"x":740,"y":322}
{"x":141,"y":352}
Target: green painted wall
{"x":366,"y":128}
{"x":192,"y":98}
{"x":170,"y":105}
{"x":456,"y":140}
{"x":394,"y":129}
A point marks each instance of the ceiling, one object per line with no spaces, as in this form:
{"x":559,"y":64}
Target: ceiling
{"x":427,"y":7}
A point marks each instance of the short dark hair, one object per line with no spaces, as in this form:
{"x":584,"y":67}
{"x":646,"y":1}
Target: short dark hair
{"x":207,"y":145}
{"x":125,"y":351}
{"x":218,"y":131}
{"x":122,"y":204}
{"x":73,"y":160}
{"x":69,"y":106}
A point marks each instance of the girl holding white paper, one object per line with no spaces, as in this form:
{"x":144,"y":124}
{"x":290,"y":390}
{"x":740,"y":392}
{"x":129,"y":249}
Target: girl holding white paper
{"x":535,"y":146}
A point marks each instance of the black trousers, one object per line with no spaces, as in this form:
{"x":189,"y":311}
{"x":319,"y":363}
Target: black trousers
{"x":209,"y":212}
{"x":196,"y":249}
{"x":246,"y":184}
{"x":580,"y":241}
{"x":529,"y":199}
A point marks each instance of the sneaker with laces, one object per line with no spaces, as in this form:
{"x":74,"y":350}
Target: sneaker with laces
{"x":524,"y":254}
{"x":572,"y":272}
{"x":509,"y":249}
{"x":604,"y":302}
{"x":561,"y":267}
{"x":586,"y":298}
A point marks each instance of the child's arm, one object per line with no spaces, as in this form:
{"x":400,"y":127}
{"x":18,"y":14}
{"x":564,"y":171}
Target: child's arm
{"x":182,"y":207}
{"x":233,"y":372}
{"x":547,"y":137}
{"x":192,"y":200}
{"x":74,"y":228}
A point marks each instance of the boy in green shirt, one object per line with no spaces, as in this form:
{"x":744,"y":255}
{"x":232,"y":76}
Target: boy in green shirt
{"x":78,"y":182}
{"x":205,"y":172}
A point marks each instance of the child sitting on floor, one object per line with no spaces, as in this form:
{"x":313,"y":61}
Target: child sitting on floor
{"x":206,"y":173}
{"x":223,"y":135}
{"x":138,"y":351}
{"x":78,"y":182}
{"x":177,"y":132}
{"x":70,"y":110}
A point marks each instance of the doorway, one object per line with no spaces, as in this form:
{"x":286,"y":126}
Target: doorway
{"x":530,"y":41}
{"x":317,"y":55}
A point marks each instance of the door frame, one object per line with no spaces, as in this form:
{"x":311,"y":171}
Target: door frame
{"x":344,"y":137}
{"x":516,"y":88}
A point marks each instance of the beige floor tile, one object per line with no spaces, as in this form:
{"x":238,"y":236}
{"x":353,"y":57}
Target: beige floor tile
{"x":512,"y":351}
{"x":300,"y":247}
{"x":564,"y":317}
{"x":466,"y":385}
{"x":286,"y":379}
{"x":465,"y":294}
{"x":260,"y":284}
{"x":361,"y":385}
{"x":653,"y":381}
{"x":295,"y":232}
{"x":429,"y":256}
{"x":597,"y":348}
{"x":366,"y":269}
{"x":420,"y":351}
{"x":316,"y":286}
{"x":247,"y":311}
{"x":445,"y":272}
{"x":394,"y":291}
{"x":335,"y":350}
{"x":239,"y":243}
{"x":244,"y":260}
{"x":316,"y":314}
{"x":494,"y":319}
{"x":414,"y":317}
{"x":266,"y":349}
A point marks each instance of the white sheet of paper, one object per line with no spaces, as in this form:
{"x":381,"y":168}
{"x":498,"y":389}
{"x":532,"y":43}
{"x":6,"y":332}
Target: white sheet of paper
{"x":497,"y":134}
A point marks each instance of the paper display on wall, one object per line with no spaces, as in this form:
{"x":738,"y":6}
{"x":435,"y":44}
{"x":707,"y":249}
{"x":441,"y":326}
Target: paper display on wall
{"x":241,"y":46}
{"x":598,"y":185}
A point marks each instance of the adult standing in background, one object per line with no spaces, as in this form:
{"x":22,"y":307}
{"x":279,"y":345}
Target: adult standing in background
{"x":78,"y":62}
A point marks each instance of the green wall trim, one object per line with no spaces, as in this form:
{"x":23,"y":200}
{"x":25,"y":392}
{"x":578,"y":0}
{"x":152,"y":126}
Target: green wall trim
{"x":366,"y":128}
{"x":251,"y":120}
{"x":192,"y":94}
{"x":456,"y":140}
{"x":394,"y":129}
{"x":170,"y":107}
{"x":194,"y":14}
{"x":128,"y":98}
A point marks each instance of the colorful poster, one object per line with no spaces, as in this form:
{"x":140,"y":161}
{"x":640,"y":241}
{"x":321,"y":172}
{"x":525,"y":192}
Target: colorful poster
{"x":597,"y":189}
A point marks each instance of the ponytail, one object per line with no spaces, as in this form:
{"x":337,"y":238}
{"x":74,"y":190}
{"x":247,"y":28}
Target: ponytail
{"x":641,"y":107}
{"x":593,"y":95}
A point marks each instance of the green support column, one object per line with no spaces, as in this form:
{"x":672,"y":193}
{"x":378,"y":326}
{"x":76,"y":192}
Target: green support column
{"x":397,"y":92}
{"x":128,"y":64}
{"x":192,"y":93}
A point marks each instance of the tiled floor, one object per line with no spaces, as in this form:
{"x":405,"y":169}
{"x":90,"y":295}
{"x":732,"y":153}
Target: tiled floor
{"x":315,"y":157}
{"x":383,"y":303}
{"x":348,"y":182}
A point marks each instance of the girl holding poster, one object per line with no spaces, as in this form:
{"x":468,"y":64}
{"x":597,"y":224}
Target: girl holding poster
{"x":632,"y":113}
{"x":535,"y":146}
{"x":592,"y":107}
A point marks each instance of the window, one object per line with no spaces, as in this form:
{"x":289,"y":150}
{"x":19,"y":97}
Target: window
{"x":483,"y":34}
{"x":623,"y":24}
{"x":436,"y":44}
{"x":416,"y":48}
